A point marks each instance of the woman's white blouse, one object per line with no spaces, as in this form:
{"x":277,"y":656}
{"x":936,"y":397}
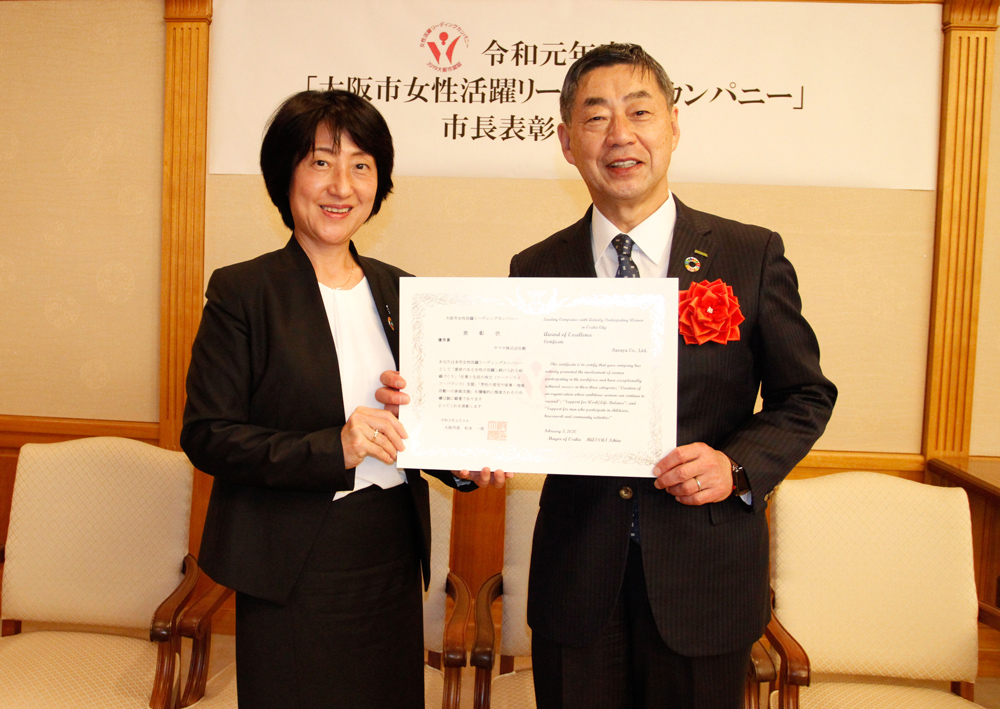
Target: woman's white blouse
{"x":363,"y":354}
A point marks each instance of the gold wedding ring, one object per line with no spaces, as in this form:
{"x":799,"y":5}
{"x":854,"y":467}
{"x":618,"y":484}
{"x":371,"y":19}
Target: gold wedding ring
{"x":375,"y":435}
{"x":700,"y":488}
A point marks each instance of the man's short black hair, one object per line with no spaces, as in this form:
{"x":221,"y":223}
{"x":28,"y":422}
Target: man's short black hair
{"x":612,"y":54}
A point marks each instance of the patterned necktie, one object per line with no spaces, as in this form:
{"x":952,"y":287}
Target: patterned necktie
{"x":628,"y":269}
{"x":626,"y":266}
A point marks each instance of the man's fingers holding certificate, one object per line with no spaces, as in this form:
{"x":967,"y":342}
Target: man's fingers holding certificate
{"x":371,"y":432}
{"x":496,"y":478}
{"x":695,"y":474}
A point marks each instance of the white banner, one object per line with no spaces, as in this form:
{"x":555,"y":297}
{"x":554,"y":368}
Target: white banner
{"x":769,"y":93}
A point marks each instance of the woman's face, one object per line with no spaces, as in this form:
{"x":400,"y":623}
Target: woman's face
{"x":332,"y":192}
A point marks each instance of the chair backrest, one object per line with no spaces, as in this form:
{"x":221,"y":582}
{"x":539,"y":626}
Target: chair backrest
{"x":873,"y":575}
{"x":98,"y":532}
{"x":523,"y":493}
{"x":435,"y":596}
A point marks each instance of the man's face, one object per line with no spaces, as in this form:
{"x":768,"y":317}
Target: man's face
{"x":620,"y":137}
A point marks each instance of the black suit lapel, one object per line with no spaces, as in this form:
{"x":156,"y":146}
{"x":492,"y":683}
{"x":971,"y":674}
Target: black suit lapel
{"x":692,"y":240}
{"x":578,"y":261}
{"x":386,"y":297}
{"x":310,"y":332}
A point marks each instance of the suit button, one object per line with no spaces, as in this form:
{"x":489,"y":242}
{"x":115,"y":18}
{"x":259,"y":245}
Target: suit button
{"x":626,"y":493}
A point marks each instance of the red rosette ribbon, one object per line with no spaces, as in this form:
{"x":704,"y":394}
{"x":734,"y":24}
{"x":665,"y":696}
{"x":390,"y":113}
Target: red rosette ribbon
{"x":709,"y":312}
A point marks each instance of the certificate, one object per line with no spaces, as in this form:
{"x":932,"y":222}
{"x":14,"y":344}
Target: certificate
{"x":539,"y":375}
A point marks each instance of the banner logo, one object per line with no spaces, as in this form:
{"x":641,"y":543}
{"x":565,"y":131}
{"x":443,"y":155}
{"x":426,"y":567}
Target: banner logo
{"x":444,"y":41}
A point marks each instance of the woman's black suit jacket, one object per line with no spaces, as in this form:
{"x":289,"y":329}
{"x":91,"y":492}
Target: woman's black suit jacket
{"x":264,"y":415}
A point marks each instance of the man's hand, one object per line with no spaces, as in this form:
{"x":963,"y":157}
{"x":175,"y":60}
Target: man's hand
{"x":496,"y":478}
{"x":391,"y":395}
{"x":695,"y":474}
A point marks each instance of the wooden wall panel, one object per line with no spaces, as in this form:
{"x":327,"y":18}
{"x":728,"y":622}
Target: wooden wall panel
{"x":15,"y":431}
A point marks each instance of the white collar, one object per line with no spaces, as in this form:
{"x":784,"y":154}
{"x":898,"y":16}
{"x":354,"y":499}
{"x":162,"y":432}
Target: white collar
{"x":653,"y":235}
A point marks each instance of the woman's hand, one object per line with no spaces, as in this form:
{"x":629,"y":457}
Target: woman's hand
{"x":391,"y":395}
{"x":497,"y":478}
{"x":371,"y":432}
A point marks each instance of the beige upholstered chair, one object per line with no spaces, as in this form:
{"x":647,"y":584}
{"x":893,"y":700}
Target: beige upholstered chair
{"x":514,"y":688}
{"x":873,"y":576}
{"x":444,"y":635}
{"x":98,"y":539}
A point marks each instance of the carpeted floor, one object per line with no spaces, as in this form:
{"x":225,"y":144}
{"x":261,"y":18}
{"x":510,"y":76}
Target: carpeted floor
{"x":223,"y":652}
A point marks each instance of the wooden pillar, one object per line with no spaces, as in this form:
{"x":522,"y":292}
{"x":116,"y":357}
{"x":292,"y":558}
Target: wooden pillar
{"x":969,"y":36}
{"x":185,"y":135}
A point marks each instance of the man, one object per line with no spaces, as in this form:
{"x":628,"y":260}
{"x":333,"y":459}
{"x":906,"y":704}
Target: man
{"x":650,"y":592}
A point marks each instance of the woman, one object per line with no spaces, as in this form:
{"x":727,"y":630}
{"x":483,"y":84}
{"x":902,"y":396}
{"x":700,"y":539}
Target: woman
{"x":309,"y":520}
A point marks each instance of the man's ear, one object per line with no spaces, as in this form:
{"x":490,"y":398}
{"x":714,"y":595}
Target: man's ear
{"x":675,"y":128}
{"x":563,"y":132}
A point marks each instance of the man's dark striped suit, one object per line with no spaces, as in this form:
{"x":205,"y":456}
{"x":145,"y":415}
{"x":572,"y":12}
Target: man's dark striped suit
{"x":705,"y":566}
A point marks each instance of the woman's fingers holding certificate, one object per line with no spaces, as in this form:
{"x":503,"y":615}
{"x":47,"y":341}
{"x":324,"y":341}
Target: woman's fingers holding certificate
{"x":390,"y":394}
{"x":371,"y":432}
{"x":497,"y":478}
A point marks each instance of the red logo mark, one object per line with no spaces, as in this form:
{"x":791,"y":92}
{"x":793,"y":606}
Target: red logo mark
{"x":443,"y":41}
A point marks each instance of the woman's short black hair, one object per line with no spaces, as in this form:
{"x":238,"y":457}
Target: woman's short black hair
{"x":291,"y":134}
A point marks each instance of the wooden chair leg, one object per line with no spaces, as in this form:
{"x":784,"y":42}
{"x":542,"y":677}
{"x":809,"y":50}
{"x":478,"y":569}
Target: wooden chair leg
{"x":481,"y":694}
{"x":452,"y":687}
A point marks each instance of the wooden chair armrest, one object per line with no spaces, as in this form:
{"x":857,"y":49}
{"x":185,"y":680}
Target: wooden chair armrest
{"x":453,"y":655}
{"x":989,"y":615}
{"x":794,"y":670}
{"x":165,"y":617}
{"x":759,"y":671}
{"x":196,"y":623}
{"x":794,"y":661}
{"x":163,"y":631}
{"x":761,"y":668}
{"x":455,"y":629}
{"x":484,"y":646}
{"x":196,"y":620}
